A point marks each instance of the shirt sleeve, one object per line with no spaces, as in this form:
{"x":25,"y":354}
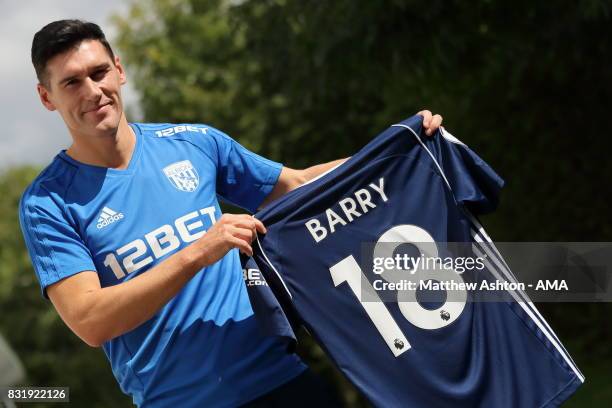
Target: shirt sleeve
{"x":56,"y":249}
{"x":473,"y":182}
{"x":243,"y":178}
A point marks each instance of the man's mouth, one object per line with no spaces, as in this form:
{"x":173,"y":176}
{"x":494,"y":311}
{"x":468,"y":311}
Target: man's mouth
{"x":98,"y":108}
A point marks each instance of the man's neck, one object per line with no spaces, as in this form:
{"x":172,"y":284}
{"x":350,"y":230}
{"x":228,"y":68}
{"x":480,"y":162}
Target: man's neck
{"x":112,"y":151}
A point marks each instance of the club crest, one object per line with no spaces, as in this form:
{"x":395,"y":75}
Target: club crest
{"x":182,"y":175}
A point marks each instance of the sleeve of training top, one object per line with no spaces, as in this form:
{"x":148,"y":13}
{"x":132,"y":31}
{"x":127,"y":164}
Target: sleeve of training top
{"x":56,"y":249}
{"x":243,"y":178}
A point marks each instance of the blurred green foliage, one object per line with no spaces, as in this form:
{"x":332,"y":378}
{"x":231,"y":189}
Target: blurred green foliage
{"x":526,"y":84}
{"x":51,"y":354}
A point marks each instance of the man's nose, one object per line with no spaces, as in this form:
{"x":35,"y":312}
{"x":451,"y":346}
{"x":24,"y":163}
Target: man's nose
{"x":92,"y":89}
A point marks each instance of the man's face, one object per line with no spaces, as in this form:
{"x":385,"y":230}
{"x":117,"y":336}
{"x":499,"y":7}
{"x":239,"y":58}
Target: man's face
{"x":83,"y":85}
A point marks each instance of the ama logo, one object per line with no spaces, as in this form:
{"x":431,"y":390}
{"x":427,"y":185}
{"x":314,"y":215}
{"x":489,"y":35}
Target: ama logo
{"x":107,"y":217}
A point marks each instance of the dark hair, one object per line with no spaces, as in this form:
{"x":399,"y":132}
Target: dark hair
{"x":59,"y":36}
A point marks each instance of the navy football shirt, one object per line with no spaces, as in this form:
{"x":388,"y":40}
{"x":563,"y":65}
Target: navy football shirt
{"x":404,"y":188}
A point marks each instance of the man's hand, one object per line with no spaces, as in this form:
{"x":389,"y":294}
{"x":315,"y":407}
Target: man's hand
{"x":431,"y":122}
{"x":231,"y":231}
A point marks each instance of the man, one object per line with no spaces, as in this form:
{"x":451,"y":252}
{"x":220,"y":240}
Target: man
{"x":128,"y":241}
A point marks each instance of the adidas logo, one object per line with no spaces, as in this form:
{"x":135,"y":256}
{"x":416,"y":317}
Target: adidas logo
{"x":107,"y":217}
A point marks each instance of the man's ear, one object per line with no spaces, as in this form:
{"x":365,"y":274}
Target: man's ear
{"x":43,"y":93}
{"x":119,"y":67}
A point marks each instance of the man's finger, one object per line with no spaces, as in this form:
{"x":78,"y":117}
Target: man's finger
{"x":251,"y":223}
{"x":259,"y":226}
{"x":426,"y":117}
{"x":244,"y":248}
{"x":245,"y":234}
{"x":435,"y":123}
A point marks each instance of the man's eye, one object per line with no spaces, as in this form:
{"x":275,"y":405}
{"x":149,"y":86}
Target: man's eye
{"x":71,"y":82}
{"x":98,"y":74}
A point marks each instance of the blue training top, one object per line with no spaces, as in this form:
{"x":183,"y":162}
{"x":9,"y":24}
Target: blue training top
{"x":203,"y":348}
